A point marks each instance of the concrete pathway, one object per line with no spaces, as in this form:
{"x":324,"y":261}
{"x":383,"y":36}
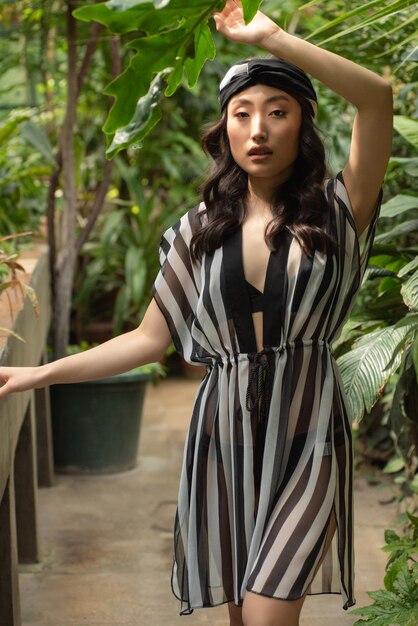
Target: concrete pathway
{"x":107,"y":541}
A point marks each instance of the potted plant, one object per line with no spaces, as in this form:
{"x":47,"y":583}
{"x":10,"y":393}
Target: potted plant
{"x":96,"y":424}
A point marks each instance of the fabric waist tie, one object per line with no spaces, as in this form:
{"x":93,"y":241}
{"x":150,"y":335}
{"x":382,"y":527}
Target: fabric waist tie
{"x":259,"y":379}
{"x":260,"y":370}
{"x":257,"y":401}
{"x":258,"y":396}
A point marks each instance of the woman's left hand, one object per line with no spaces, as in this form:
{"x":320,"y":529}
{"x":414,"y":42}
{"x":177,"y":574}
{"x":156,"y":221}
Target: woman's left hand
{"x":230,"y":22}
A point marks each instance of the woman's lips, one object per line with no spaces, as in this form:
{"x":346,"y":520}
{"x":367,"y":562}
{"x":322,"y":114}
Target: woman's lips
{"x":262,"y":156}
{"x":259,"y":153}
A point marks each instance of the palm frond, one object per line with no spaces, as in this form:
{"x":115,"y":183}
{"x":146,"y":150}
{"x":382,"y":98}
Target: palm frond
{"x":409,"y":291}
{"x":367,"y":368}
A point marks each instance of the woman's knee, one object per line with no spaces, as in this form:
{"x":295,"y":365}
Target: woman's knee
{"x":262,"y":611}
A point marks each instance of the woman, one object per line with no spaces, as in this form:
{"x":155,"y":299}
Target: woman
{"x":256,"y":283}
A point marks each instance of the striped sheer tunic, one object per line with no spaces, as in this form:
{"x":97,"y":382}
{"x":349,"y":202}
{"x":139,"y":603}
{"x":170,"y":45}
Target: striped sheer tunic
{"x":268,"y":454}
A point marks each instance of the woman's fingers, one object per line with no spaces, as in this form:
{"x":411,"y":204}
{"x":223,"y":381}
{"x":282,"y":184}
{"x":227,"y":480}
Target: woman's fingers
{"x":16,"y":379}
{"x":230,"y":22}
{"x":4,"y":385}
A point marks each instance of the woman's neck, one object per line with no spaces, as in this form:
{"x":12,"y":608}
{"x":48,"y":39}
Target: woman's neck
{"x":262,"y":191}
{"x":260,"y":199}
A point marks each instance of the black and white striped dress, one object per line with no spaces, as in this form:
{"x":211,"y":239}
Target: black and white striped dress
{"x":268,"y":455}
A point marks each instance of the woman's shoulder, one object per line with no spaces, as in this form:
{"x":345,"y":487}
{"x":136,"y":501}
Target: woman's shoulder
{"x":187,"y":224}
{"x":197,"y":216}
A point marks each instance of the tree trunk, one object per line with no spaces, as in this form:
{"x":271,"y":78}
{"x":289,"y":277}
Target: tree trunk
{"x":64,"y":271}
{"x":63,"y":254}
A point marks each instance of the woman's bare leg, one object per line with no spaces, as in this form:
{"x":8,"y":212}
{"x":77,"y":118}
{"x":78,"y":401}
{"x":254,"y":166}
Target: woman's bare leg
{"x":235,"y":615}
{"x":258,"y":610}
{"x":261,"y":611}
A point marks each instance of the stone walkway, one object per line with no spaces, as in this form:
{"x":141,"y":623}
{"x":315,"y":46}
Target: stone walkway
{"x":107,"y":542}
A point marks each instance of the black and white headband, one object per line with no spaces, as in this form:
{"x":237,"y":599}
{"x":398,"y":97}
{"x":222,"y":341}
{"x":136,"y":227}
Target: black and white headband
{"x":272,"y":72}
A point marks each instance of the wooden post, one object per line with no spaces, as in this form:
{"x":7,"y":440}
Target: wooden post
{"x":9,"y":584}
{"x":44,"y":436}
{"x":26,"y":485}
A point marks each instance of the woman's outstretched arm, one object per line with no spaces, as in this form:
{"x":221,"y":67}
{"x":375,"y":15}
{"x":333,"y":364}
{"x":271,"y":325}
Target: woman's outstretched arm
{"x":369,"y":93}
{"x":145,"y":344}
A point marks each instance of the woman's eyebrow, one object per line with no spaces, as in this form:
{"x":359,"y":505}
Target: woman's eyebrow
{"x":267,"y":101}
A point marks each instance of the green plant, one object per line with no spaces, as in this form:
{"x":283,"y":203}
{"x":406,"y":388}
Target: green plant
{"x":25,"y":162}
{"x":172,"y":37}
{"x":119,"y":264}
{"x":378,"y":351}
{"x":397,"y":603}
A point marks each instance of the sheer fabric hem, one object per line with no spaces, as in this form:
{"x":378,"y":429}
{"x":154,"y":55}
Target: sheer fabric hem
{"x":191,"y":609}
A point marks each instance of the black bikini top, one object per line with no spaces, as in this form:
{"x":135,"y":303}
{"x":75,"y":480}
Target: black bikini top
{"x":256,"y":297}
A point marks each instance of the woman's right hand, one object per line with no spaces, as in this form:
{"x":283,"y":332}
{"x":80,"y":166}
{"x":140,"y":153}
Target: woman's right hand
{"x":19,"y":379}
{"x":230,"y":22}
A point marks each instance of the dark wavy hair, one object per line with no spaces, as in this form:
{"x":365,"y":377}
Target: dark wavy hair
{"x":299,"y":205}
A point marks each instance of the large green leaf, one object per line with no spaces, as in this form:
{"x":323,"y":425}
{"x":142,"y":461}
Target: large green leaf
{"x":204,"y":49}
{"x":408,"y":164}
{"x":176,"y":37}
{"x":398,"y":205}
{"x":154,"y":54}
{"x":122,"y":5}
{"x":409,"y":291}
{"x":367,"y":368}
{"x":250,"y":9}
{"x":405,"y":228}
{"x":407,"y":127}
{"x":147,"y":115}
{"x":173,"y":36}
{"x":142,"y":16}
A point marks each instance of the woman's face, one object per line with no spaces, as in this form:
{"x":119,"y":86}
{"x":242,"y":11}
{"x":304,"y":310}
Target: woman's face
{"x":263,"y":127}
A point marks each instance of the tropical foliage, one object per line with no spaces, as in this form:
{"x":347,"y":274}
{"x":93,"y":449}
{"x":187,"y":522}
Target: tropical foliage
{"x":25,"y":158}
{"x":167,"y":45}
{"x":171,"y":37}
{"x":380,"y":343}
{"x":397,"y":603}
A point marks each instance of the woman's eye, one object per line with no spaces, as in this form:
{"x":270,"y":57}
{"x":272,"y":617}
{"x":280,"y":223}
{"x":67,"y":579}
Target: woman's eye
{"x":241,"y":114}
{"x":278,"y":113}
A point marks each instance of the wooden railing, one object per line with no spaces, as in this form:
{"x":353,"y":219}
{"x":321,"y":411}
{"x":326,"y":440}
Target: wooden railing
{"x":25,"y":435}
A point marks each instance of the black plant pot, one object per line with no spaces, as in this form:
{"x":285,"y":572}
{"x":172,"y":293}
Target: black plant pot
{"x":96,"y":424}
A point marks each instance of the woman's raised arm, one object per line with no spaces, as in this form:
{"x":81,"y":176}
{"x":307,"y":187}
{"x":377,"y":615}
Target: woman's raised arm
{"x":145,"y":344}
{"x":369,"y":93}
